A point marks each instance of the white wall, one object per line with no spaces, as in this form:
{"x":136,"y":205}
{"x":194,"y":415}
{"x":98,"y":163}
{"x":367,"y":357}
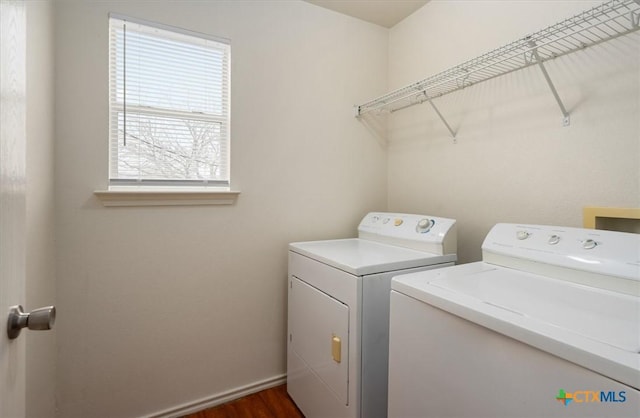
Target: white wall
{"x":160,"y":307}
{"x":513,"y":161}
{"x":164,"y":306}
{"x":40,"y":244}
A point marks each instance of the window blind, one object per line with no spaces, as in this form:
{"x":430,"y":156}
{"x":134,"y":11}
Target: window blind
{"x":169,"y":106}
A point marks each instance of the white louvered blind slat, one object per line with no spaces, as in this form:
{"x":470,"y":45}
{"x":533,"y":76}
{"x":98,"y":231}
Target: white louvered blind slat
{"x":169,"y":106}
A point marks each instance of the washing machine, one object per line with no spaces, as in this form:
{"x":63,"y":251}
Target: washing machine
{"x":338,"y":310}
{"x":546,"y":325}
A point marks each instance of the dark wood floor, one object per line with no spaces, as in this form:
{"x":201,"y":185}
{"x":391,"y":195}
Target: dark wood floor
{"x":270,"y":403}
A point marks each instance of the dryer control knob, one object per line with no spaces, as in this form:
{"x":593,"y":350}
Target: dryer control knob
{"x":589,"y":244}
{"x":554,"y":239}
{"x":424,"y":226}
{"x":522,"y":235}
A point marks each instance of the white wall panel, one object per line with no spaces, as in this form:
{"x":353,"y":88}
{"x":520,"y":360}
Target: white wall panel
{"x":513,"y":161}
{"x":40,"y":223}
{"x":164,"y":306}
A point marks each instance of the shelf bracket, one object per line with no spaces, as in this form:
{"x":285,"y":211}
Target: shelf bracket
{"x":566,"y":118}
{"x":453,"y":134}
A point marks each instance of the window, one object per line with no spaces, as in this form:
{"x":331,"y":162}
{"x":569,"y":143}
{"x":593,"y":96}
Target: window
{"x":169,"y":106}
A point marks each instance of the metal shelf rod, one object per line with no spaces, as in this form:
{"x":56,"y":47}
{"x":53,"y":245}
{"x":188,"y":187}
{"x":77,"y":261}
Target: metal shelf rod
{"x":453,"y":134}
{"x":602,"y":23}
{"x":566,"y":119}
{"x":419,"y":88}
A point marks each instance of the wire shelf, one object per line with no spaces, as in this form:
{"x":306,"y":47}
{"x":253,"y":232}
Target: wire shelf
{"x":602,"y":23}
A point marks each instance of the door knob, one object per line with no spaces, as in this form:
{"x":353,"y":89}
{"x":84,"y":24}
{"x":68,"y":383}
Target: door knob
{"x":38,"y":320}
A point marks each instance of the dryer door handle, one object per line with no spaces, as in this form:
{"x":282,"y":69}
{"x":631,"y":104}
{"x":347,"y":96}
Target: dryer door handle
{"x":336,"y":348}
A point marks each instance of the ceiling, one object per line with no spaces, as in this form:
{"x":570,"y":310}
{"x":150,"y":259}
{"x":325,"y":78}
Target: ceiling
{"x":381,"y":12}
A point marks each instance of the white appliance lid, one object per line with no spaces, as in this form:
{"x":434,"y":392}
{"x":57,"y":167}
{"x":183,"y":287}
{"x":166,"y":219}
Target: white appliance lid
{"x":362,"y":257}
{"x":596,"y":328}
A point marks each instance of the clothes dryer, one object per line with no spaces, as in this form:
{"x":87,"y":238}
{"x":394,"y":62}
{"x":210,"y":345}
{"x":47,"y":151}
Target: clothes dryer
{"x":338,"y":310}
{"x":547,"y":325}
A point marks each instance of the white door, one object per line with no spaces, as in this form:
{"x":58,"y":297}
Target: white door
{"x":320,"y":335}
{"x":12,"y":201}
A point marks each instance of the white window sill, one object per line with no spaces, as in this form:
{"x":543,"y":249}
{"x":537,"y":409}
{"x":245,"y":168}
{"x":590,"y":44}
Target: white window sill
{"x":137,"y":197}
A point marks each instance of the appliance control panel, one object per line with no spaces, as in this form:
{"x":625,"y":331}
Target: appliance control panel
{"x":420,"y":232}
{"x":603,"y":252}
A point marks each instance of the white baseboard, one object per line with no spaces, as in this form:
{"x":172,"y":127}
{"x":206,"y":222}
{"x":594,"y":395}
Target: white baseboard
{"x":220,"y":398}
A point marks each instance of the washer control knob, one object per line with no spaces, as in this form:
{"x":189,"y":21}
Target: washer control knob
{"x":424,"y":226}
{"x":589,"y":244}
{"x":398,"y":222}
{"x":522,"y":235}
{"x":375,"y":218}
{"x":554,"y":239}
{"x":386,"y":220}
